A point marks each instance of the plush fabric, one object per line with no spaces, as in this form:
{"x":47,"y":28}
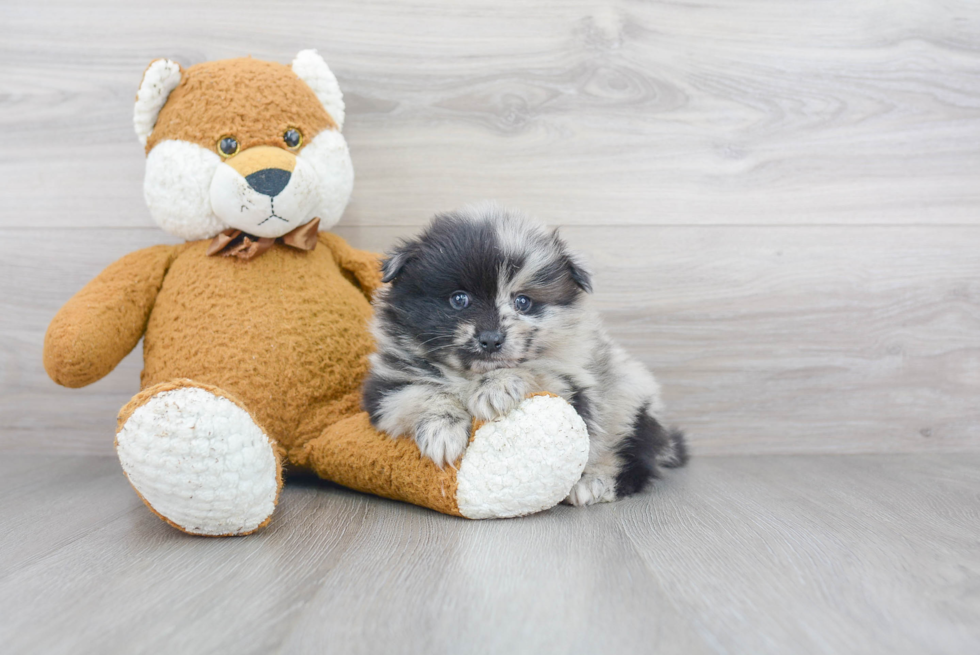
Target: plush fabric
{"x":311,"y":68}
{"x":554,"y":445}
{"x":554,"y":449}
{"x":256,"y":101}
{"x":283,"y":337}
{"x":285,"y":332}
{"x":354,"y":454}
{"x":235,"y":243}
{"x":198,"y":460}
{"x":252,"y":364}
{"x":161,"y":77}
{"x":327,"y":153}
{"x":177,"y":189}
{"x":104,"y":321}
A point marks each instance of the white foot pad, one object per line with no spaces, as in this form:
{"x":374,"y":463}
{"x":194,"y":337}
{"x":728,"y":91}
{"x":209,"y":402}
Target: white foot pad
{"x":523,"y":462}
{"x":200,"y":462}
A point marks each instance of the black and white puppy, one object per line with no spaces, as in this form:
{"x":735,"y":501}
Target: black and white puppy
{"x":485,"y":307}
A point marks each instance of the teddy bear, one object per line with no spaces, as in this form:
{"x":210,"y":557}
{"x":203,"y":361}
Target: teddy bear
{"x":254,"y":330}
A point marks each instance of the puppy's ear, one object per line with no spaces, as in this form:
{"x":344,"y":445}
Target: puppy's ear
{"x":581,"y":275}
{"x":576,"y":267}
{"x":391,"y":267}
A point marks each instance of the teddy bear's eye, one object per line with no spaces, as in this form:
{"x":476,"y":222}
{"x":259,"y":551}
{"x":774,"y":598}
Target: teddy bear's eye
{"x":227,"y":145}
{"x":292,"y":138}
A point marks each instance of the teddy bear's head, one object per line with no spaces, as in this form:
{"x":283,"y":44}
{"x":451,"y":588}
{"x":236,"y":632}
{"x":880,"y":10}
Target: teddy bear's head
{"x":243,"y":144}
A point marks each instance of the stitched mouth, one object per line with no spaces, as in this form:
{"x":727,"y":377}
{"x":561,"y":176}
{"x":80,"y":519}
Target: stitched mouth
{"x":272,"y":206}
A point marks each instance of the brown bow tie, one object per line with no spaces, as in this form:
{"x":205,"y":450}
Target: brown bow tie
{"x":235,"y":243}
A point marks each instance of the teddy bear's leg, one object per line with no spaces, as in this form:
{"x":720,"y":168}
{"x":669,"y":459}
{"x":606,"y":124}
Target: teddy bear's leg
{"x":521,"y":463}
{"x":198,"y":459}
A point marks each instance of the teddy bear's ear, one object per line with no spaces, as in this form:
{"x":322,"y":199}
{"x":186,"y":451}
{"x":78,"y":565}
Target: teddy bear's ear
{"x":161,"y":77}
{"x":310,"y":67}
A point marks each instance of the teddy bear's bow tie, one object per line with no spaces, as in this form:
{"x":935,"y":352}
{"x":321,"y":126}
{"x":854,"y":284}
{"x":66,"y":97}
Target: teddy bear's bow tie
{"x":235,"y":243}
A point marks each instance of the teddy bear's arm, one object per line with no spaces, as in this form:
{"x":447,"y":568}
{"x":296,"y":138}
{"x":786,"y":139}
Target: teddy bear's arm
{"x":104,"y":321}
{"x":364,"y":266}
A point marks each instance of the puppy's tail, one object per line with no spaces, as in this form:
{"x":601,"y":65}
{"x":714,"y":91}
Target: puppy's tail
{"x":675,"y":454}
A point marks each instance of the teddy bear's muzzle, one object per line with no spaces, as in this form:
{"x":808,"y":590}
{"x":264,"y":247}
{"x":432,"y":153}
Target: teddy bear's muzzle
{"x":264,"y":191}
{"x":266,"y":169}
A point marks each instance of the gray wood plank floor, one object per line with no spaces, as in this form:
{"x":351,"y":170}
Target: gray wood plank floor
{"x":766,"y":554}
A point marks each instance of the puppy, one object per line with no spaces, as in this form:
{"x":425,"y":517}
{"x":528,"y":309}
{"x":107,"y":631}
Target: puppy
{"x":485,"y":307}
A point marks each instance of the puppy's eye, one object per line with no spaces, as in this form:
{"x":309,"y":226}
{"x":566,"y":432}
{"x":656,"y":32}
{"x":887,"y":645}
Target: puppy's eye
{"x":227,"y":146}
{"x":459,"y":300}
{"x":522,"y":303}
{"x":293,"y":138}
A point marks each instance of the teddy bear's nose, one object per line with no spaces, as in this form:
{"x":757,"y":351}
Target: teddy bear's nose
{"x":270,"y":181}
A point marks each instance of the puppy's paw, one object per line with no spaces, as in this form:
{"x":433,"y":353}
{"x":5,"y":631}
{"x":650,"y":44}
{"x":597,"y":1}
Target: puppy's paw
{"x":497,"y":393}
{"x":443,"y":439}
{"x":591,"y":489}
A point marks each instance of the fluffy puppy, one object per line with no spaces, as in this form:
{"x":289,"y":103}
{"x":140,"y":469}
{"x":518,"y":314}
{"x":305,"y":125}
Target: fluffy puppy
{"x":485,"y":307}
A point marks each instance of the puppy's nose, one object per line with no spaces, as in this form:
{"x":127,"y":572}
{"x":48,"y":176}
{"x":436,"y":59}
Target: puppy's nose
{"x":491,"y":340}
{"x":270,"y":181}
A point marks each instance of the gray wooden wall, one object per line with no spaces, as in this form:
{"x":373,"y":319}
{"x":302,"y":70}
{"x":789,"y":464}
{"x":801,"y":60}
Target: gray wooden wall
{"x":781,"y":198}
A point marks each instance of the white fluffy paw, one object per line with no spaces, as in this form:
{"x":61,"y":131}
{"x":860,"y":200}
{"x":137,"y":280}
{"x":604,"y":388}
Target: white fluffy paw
{"x":592,"y":489}
{"x":496,"y":394}
{"x":443,"y":439}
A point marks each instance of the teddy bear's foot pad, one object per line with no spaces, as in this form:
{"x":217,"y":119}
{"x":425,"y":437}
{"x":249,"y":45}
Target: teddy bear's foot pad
{"x":200,"y":462}
{"x":523,"y":462}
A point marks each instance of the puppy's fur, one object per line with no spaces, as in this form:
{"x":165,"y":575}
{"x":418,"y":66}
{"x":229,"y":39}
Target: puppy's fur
{"x":438,"y":365}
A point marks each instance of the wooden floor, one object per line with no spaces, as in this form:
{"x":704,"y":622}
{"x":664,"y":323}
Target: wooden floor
{"x":766,"y":554}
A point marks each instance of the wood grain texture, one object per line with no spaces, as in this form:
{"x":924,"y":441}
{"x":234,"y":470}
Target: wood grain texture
{"x":765,"y":340}
{"x":781,"y":198}
{"x":610,"y":112}
{"x":781,"y":555}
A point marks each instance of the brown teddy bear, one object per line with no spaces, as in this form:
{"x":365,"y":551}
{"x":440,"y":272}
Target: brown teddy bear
{"x":254,"y":331}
